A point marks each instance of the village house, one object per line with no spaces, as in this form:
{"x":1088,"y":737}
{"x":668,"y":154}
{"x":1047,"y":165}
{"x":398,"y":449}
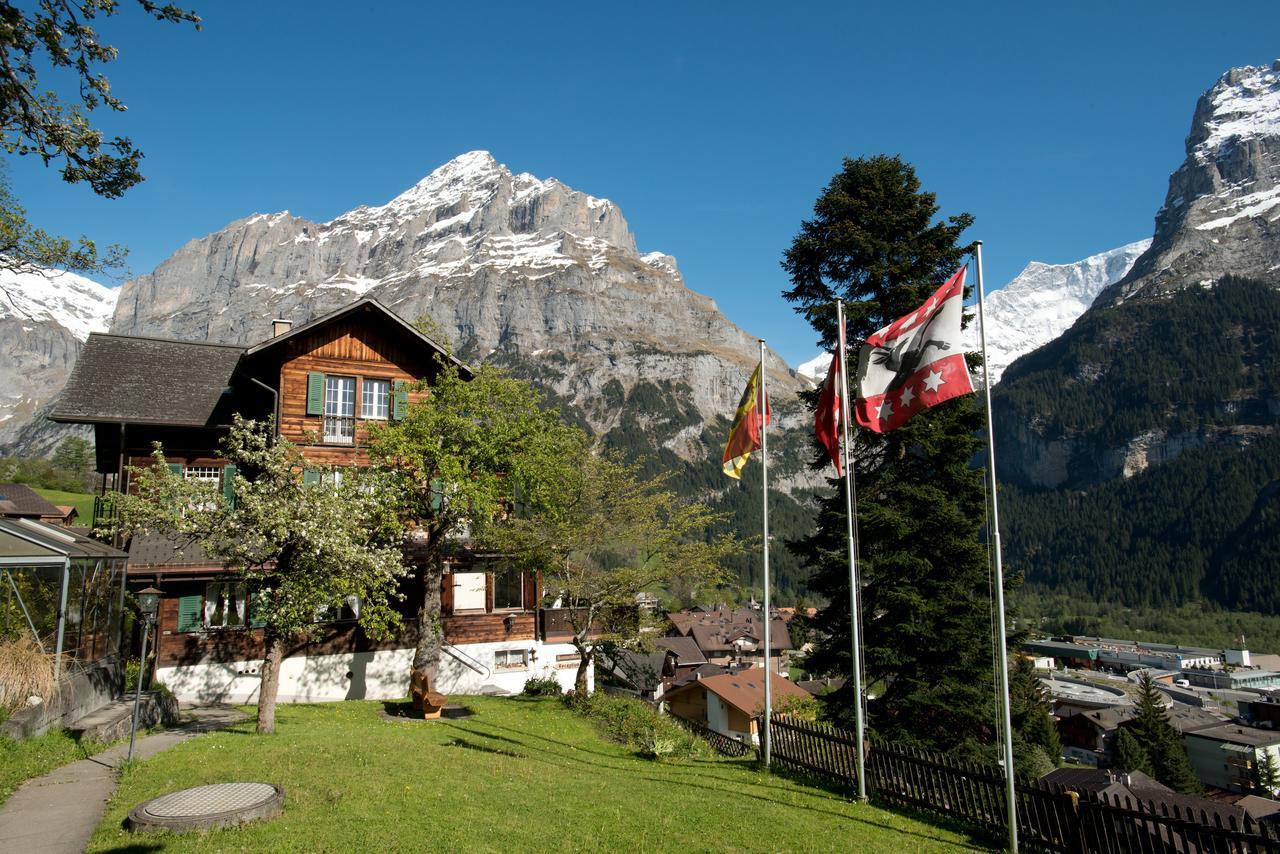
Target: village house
{"x":730,"y":702}
{"x":734,"y":636}
{"x":1226,"y":755}
{"x":18,"y":501}
{"x":324,"y":382}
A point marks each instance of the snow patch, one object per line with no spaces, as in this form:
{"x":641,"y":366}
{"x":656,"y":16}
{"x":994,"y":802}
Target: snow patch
{"x":78,"y":304}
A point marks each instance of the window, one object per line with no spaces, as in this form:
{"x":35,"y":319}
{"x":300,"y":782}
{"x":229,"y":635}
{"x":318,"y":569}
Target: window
{"x":346,"y":612}
{"x":375,"y":399}
{"x":510,"y":659}
{"x":226,"y":605}
{"x":204,"y":474}
{"x":508,"y":589}
{"x":340,"y":410}
{"x":468,"y":591}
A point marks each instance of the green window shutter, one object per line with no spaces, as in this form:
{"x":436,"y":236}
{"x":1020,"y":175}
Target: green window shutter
{"x":229,"y":484}
{"x":400,"y":400}
{"x":191,"y":613}
{"x":257,"y":602}
{"x":315,"y":393}
{"x":437,"y":494}
{"x":311,"y":476}
{"x":175,"y":468}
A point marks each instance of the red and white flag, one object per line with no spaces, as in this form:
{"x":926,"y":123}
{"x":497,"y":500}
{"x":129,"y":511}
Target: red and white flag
{"x":827,"y":421}
{"x":915,"y":362}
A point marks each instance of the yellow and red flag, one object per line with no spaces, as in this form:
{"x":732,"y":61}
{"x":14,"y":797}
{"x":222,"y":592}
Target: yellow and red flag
{"x":744,"y":436}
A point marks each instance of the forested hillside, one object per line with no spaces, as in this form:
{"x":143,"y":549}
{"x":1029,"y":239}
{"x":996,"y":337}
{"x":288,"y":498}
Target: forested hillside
{"x":1195,"y":375}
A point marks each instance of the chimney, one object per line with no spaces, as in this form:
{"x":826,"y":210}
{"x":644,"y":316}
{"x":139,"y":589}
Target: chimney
{"x":280,"y":327}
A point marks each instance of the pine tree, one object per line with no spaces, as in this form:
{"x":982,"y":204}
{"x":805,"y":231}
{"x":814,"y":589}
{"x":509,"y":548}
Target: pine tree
{"x":1265,"y":775}
{"x":1160,"y":741}
{"x":875,"y":241}
{"x":1031,"y":713}
{"x":1128,"y":755}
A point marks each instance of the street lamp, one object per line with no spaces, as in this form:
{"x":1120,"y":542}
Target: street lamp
{"x":148,"y":604}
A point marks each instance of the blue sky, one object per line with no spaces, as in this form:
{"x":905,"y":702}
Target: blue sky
{"x":713,"y":126}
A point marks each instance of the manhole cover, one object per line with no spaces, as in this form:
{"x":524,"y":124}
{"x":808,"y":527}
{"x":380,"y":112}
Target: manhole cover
{"x":204,"y":807}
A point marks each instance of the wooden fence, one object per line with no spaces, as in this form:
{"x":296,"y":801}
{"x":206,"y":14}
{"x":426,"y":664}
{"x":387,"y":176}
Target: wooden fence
{"x":721,"y":742}
{"x":1049,"y":817}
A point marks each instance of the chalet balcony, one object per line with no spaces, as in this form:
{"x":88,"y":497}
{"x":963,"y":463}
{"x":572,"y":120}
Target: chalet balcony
{"x":339,"y":430}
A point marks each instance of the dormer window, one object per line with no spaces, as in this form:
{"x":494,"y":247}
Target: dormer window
{"x":375,"y":399}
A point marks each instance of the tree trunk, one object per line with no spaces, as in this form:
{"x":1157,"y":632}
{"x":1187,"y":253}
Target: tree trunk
{"x":585,"y":655}
{"x":426,"y":656}
{"x":270,"y":685}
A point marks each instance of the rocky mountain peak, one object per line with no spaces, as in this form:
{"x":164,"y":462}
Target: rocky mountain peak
{"x":1222,"y":211}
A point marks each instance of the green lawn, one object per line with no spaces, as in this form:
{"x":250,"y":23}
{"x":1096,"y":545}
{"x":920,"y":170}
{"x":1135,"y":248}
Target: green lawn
{"x":35,"y":757}
{"x":520,"y":774}
{"x":82,"y":501}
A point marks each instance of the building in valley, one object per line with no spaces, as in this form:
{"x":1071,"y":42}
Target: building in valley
{"x":324,"y":382}
{"x":730,"y":703}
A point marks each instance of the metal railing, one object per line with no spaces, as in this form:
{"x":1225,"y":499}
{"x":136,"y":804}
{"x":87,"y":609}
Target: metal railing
{"x":339,"y":429}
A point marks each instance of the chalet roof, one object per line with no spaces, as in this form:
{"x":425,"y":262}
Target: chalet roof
{"x":687,"y":652}
{"x":368,"y":304}
{"x":135,"y":380}
{"x":17,"y":499}
{"x":745,"y":690}
{"x":1098,"y":779}
{"x":159,"y":550}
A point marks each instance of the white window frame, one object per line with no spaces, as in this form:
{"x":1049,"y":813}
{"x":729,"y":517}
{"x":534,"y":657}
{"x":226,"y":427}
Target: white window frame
{"x":232,"y":597}
{"x":375,"y":406}
{"x":511,"y":659}
{"x":204,"y":474}
{"x":339,"y":409}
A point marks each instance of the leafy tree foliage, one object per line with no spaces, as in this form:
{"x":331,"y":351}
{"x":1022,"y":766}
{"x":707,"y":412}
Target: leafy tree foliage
{"x":463,"y":457}
{"x":607,"y":535}
{"x":302,"y":548}
{"x":39,"y":472}
{"x":61,"y":38}
{"x":1160,"y":742}
{"x":876,"y":242}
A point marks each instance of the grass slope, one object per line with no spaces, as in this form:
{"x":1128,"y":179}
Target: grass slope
{"x":520,"y":774}
{"x":82,"y":501}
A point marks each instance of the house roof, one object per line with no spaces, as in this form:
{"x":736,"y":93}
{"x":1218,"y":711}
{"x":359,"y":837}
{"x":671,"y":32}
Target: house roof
{"x":368,"y":304}
{"x":1230,"y":733}
{"x":129,"y":379}
{"x":1098,"y":779}
{"x":1183,"y":718}
{"x":18,"y":499}
{"x":159,"y":550}
{"x":745,"y":690}
{"x":29,"y":538}
{"x":687,"y":652}
{"x":715,"y":631}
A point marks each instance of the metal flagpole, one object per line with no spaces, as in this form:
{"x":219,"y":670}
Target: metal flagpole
{"x":1001,"y":644}
{"x":855,"y":592}
{"x":764,"y":481}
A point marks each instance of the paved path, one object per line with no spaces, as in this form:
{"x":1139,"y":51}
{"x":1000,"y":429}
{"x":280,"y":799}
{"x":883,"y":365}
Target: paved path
{"x":58,"y":813}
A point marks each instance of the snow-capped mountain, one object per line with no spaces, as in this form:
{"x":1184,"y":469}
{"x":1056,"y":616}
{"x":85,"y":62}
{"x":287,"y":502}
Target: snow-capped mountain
{"x":1222,"y":211}
{"x":1034,"y":308}
{"x":45,"y":315}
{"x":1042,"y":301}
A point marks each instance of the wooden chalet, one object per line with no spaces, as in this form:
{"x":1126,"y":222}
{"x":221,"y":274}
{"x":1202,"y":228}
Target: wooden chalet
{"x":325,"y":382}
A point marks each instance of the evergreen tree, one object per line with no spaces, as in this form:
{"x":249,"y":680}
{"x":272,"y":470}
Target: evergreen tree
{"x":875,"y":241}
{"x":1128,"y":755}
{"x":1265,"y":775}
{"x":1032,"y":713}
{"x":1160,"y":741}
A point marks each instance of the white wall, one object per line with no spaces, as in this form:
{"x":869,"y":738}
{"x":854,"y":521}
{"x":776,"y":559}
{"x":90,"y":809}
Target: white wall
{"x":381,"y":675}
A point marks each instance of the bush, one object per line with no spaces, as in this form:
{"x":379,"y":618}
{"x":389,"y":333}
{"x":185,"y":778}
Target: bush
{"x":639,"y":725}
{"x":542,"y":686}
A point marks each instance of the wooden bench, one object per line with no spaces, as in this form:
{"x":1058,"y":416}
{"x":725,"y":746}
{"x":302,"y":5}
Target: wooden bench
{"x":425,"y":700}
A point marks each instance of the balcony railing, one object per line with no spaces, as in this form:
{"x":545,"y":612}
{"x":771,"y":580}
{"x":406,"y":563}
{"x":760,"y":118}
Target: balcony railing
{"x":339,"y":430}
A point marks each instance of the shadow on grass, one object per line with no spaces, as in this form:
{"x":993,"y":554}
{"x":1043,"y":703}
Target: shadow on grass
{"x":693,"y":774}
{"x":134,"y":848}
{"x":403,"y":709}
{"x":471,"y":745}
